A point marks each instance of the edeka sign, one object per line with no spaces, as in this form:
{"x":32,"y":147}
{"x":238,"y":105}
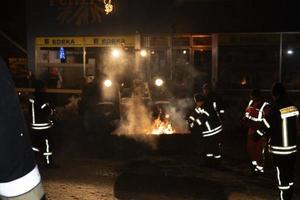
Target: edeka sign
{"x":78,"y":12}
{"x":109,"y":41}
{"x":60,"y":42}
{"x":85,"y":41}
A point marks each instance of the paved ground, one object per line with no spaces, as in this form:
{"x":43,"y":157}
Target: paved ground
{"x":151,"y":178}
{"x":126,"y":170}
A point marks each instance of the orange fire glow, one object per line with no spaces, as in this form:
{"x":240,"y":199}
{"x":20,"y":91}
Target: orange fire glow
{"x":162,"y":126}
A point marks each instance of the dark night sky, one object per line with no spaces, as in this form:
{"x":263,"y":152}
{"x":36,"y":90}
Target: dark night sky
{"x":182,"y":15}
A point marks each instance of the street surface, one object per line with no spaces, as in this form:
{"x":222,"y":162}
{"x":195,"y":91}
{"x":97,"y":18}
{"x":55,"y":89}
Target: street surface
{"x":94,"y":167}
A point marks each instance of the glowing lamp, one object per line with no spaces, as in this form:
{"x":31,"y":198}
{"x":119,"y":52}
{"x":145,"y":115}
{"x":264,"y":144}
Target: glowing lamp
{"x":290,"y":52}
{"x":159,"y":82}
{"x":116,"y":53}
{"x":143,"y":53}
{"x":107,"y":83}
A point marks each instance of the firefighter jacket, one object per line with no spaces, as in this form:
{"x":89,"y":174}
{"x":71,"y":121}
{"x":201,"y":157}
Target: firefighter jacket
{"x":40,"y":112}
{"x":18,"y":171}
{"x":282,"y":128}
{"x":255,"y":115}
{"x":205,"y":120}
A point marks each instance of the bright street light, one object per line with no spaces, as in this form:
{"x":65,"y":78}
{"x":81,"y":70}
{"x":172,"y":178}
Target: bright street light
{"x":290,"y":52}
{"x":159,"y":82}
{"x":107,"y":83}
{"x":143,"y":53}
{"x":116,"y":53}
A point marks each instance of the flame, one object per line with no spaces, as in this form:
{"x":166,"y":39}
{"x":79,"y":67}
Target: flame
{"x":162,"y":126}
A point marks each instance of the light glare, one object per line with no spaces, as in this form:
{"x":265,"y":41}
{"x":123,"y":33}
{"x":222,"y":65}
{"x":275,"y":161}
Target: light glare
{"x":107,"y":83}
{"x":159,"y":82}
{"x":116,"y":53}
{"x":143,"y":53}
{"x":290,"y":52}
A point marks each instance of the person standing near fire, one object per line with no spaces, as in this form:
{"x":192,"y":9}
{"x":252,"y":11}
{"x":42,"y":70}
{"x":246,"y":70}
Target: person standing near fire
{"x":205,"y":121}
{"x":282,"y":130}
{"x":19,"y":175}
{"x":40,"y":113}
{"x":255,"y":116}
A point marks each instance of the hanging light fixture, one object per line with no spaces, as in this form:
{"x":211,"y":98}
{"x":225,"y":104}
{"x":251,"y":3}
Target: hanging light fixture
{"x":108,"y":7}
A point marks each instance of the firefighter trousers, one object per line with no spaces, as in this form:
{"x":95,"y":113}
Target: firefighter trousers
{"x":255,"y":150}
{"x":212,"y":147}
{"x":284,"y":166}
{"x":42,"y":145}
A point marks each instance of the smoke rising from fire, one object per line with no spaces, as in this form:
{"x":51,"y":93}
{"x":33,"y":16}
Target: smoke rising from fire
{"x":136,"y":113}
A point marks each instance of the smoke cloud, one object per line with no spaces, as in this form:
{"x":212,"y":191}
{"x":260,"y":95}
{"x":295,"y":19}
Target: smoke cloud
{"x":136,"y":114}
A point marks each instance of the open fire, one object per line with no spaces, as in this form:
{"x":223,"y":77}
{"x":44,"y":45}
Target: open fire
{"x":162,"y":126}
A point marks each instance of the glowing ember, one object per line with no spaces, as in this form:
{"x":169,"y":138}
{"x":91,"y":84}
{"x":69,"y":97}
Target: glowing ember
{"x":162,"y":126}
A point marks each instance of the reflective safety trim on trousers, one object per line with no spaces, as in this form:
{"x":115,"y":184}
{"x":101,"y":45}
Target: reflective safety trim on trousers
{"x":259,"y":133}
{"x":283,"y":148}
{"x":35,"y":149}
{"x":259,"y":168}
{"x":283,"y":152}
{"x":291,"y":184}
{"x":41,"y":124}
{"x":21,"y":185}
{"x":254,"y":162}
{"x":214,"y":133}
{"x":215,"y":129}
{"x":47,"y":151}
{"x":217,"y":156}
{"x":278,"y":175}
{"x":41,"y":127}
{"x":222,"y":111}
{"x":209,"y":155}
{"x":47,"y":154}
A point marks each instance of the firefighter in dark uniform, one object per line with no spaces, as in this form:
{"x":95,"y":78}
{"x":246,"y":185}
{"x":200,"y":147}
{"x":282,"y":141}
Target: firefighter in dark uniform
{"x":282,"y":130}
{"x":41,"y":123}
{"x":255,"y":116}
{"x":19,"y":175}
{"x":205,"y":121}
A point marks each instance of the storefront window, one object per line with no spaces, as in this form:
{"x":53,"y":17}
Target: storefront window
{"x":291,"y":61}
{"x":58,"y":72}
{"x":248,"y":61}
{"x":202,"y":66}
{"x":159,"y":64}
